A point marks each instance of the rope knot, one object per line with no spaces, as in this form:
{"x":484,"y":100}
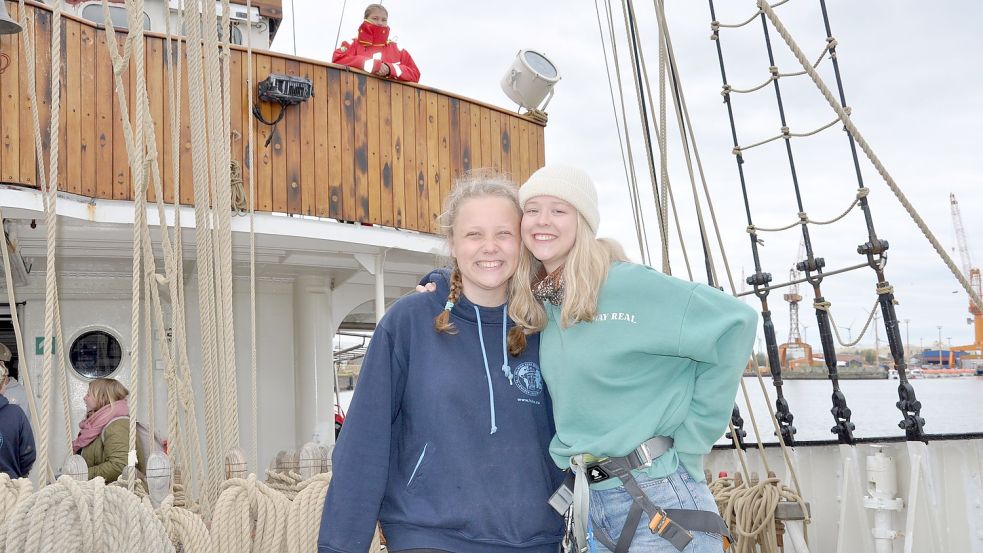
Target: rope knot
{"x":831,"y":43}
{"x":822,"y":305}
{"x":885,"y":289}
{"x":863,"y":193}
{"x":725,"y":90}
{"x":803,"y":217}
{"x":736,"y":151}
{"x":715,"y":27}
{"x":751,"y":229}
{"x":774,"y":72}
{"x":785,"y":132}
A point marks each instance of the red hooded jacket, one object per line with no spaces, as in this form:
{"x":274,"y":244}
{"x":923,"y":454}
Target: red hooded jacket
{"x":373,"y":48}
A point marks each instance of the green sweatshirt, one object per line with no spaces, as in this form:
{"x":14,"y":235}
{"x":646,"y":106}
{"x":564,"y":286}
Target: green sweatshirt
{"x":663,"y":357}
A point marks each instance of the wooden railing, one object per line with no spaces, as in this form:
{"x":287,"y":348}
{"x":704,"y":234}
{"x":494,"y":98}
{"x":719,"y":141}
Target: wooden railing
{"x":362,"y":149}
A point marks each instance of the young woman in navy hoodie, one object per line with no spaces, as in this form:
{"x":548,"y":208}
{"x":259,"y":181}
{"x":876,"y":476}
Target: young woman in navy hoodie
{"x":446,"y":439}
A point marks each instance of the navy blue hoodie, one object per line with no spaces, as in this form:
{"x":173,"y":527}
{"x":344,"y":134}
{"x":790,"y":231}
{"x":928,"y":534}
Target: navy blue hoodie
{"x":444,"y":443}
{"x":16,"y":440}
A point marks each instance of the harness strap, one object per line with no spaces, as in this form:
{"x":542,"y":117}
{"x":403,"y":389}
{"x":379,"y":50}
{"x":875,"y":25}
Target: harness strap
{"x":673,"y":525}
{"x":628,"y":531}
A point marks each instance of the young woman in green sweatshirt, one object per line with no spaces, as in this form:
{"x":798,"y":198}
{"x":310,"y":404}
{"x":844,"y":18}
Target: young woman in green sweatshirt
{"x":629,"y":354}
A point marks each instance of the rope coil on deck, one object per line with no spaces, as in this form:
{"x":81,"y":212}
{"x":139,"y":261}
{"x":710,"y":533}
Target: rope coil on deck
{"x":749,"y":511}
{"x":83,"y":516}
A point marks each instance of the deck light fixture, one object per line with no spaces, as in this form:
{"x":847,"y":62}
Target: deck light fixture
{"x":530,"y":80}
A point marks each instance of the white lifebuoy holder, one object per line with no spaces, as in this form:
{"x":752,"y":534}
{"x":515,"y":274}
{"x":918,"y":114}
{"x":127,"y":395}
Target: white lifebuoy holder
{"x":530,"y":79}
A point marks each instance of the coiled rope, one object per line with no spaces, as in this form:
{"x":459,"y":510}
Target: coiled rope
{"x":249,"y":516}
{"x":304,"y":518}
{"x":83,"y":516}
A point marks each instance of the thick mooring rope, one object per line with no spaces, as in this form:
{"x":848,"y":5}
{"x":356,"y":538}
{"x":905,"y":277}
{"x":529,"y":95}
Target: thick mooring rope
{"x":83,"y":516}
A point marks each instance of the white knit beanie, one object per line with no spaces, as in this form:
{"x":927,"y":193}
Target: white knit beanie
{"x":569,"y":184}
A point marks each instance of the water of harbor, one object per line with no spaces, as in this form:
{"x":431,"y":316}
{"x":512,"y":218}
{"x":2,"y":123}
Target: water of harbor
{"x":949,"y":406}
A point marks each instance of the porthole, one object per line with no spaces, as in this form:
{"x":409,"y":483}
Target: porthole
{"x":95,"y":354}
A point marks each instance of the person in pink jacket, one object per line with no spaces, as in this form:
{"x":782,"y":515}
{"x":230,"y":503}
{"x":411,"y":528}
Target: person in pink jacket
{"x":374,"y":53}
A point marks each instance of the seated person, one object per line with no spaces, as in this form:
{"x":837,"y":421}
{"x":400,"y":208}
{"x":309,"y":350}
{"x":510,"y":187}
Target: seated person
{"x":374,"y":53}
{"x":17,"y":451}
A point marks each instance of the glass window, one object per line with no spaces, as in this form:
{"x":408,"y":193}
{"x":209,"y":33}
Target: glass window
{"x":95,"y":354}
{"x":93,"y":12}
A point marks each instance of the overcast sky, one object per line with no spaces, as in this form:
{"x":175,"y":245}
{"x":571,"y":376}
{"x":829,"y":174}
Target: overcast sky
{"x":909,"y":74}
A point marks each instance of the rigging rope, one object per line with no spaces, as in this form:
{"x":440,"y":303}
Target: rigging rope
{"x":776,"y":74}
{"x":868,"y":151}
{"x":716,"y":25}
{"x":785,"y":134}
{"x":624,"y":140}
{"x":48,"y":184}
{"x":24,"y":374}
{"x":249,"y":157}
{"x":804,"y":217}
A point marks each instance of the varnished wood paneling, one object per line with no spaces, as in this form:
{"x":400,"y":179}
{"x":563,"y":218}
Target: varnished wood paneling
{"x":422,"y":188}
{"x":464,"y":135}
{"x":361,"y":149}
{"x":398,"y":158}
{"x":433,"y":162}
{"x":372,"y":147}
{"x":410,"y":216}
{"x":279,"y":154}
{"x":334,"y":120}
{"x":293,"y":129}
{"x":10,"y":91}
{"x":321,"y":161}
{"x":443,"y":152}
{"x":348,"y":183}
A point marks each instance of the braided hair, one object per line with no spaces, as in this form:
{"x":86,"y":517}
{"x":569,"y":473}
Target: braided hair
{"x":474,"y":184}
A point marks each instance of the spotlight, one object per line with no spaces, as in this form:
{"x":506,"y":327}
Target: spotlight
{"x":530,"y":79}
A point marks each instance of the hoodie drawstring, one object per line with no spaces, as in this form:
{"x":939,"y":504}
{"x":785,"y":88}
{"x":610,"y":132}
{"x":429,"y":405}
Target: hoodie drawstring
{"x":505,"y":343}
{"x":484,"y":356}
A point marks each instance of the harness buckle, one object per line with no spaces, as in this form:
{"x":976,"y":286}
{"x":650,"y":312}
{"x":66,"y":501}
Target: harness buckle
{"x":669,"y":530}
{"x":643,"y":455}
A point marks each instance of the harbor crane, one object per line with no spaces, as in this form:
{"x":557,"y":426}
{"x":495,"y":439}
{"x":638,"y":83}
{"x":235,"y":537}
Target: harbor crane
{"x":973,"y":274}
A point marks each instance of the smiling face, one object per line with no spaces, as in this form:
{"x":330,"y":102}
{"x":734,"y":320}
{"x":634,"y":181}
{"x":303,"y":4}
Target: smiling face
{"x":485,"y":243}
{"x":549,"y":230}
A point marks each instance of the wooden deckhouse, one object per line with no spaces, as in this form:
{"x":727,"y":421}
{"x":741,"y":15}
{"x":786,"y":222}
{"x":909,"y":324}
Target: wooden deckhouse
{"x":361,"y":149}
{"x":349,"y":186}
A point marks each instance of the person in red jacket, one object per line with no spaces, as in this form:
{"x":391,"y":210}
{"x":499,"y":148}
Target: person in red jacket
{"x":374,"y":53}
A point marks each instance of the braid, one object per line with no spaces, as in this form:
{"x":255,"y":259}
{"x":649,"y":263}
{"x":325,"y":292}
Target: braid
{"x":442,"y":322}
{"x":517,"y":341}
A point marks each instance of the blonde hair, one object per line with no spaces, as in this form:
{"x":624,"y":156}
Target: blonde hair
{"x":479,"y":183}
{"x":585,"y":270}
{"x":106,"y":391}
{"x":373,"y":7}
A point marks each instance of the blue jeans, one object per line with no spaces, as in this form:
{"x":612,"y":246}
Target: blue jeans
{"x":609,"y":509}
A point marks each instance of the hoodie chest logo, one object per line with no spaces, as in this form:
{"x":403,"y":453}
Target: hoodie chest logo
{"x":528,"y":379}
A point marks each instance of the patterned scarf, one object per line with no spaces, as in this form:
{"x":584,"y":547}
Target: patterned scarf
{"x":549,"y":287}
